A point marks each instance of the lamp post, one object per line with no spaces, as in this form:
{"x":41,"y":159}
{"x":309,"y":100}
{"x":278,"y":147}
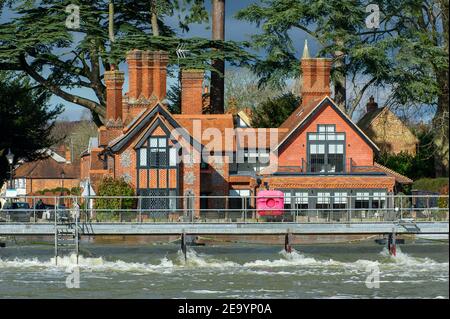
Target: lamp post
{"x":10,"y":158}
{"x":62,"y":187}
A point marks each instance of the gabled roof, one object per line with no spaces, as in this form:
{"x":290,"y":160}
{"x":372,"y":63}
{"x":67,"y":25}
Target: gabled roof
{"x":300,"y":117}
{"x":221,"y":122}
{"x":144,"y":119}
{"x":48,"y":168}
{"x":369,"y":117}
{"x":366,"y":121}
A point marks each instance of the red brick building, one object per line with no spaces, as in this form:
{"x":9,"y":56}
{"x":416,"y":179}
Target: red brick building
{"x":55,"y":171}
{"x":318,"y":152}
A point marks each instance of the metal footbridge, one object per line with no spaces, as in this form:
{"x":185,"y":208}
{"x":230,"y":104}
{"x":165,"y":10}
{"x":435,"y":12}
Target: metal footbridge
{"x":223,"y":228}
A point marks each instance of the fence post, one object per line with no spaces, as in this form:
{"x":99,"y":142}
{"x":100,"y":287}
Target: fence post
{"x":401,"y":206}
{"x":140,"y":208}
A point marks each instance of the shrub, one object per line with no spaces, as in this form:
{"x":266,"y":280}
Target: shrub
{"x":431,"y":184}
{"x":113,"y":187}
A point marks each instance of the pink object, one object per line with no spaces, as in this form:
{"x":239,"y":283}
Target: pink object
{"x":270,"y":203}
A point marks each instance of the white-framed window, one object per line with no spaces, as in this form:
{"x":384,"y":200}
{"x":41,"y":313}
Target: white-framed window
{"x":323,"y":198}
{"x":340,"y":197}
{"x":301,"y":197}
{"x":20,"y":183}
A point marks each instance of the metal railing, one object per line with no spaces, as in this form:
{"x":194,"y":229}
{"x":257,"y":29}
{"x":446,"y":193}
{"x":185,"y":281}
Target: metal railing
{"x":172,"y":209}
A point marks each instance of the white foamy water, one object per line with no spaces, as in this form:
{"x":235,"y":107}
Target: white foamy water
{"x":197,"y":260}
{"x":212,"y":272}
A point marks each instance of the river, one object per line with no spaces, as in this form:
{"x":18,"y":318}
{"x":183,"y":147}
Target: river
{"x":420,"y":270}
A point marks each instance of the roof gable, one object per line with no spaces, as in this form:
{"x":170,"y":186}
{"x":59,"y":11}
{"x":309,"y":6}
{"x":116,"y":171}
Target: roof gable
{"x":144,"y":119}
{"x":302,"y":116}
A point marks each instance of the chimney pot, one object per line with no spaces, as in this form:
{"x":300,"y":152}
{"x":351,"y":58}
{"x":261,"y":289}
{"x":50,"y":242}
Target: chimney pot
{"x":371,"y":105}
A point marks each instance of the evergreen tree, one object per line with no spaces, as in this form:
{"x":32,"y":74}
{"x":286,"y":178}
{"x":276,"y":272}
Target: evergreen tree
{"x":274,"y":111}
{"x":26,"y":121}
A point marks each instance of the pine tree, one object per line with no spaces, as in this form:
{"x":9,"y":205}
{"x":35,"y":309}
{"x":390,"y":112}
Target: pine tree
{"x":26,"y":120}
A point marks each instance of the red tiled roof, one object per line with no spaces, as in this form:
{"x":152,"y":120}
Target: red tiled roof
{"x":332,"y":182}
{"x":398,"y":177}
{"x":208,"y":121}
{"x":48,"y":168}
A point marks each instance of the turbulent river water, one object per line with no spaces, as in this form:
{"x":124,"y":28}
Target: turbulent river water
{"x":420,"y":270}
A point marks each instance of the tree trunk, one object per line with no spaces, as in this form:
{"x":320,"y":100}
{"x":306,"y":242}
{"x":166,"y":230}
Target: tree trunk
{"x":340,"y":87}
{"x":154,"y":18}
{"x":111,"y":21}
{"x":217,"y":80}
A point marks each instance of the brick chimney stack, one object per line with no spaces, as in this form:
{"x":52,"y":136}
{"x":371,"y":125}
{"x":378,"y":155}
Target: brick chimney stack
{"x":160,"y":61}
{"x":114,"y":81}
{"x":134,"y":60}
{"x":371,"y":105}
{"x":315,"y":76}
{"x":147,"y":74}
{"x":192,"y":91}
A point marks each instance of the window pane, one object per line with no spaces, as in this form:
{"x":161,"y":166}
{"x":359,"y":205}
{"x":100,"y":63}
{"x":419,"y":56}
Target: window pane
{"x":153,"y":142}
{"x":313,"y":149}
{"x":330,"y":128}
{"x":162,"y":142}
{"x":322,"y":128}
{"x":332,"y":149}
{"x":340,"y":149}
{"x":312,"y":137}
{"x":340,"y":137}
{"x":142,"y":157}
{"x":173,"y":156}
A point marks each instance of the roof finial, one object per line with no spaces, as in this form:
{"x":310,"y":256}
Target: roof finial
{"x":305,"y":50}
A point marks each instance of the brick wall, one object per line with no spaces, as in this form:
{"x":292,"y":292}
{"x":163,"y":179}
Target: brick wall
{"x":296,"y":149}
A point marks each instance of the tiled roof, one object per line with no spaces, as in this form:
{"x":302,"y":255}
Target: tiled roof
{"x":331,"y":182}
{"x":48,"y":168}
{"x":398,"y":177}
{"x":302,"y":113}
{"x":221,"y":122}
{"x":367,"y":119}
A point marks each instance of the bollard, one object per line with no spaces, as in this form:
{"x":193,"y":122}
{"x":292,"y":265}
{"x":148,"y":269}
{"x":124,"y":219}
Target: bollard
{"x":183,"y":245}
{"x":288,"y":243}
{"x":392,"y":244}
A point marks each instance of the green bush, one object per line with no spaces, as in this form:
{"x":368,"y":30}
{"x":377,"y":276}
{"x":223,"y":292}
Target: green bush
{"x":431,"y":184}
{"x":113,"y":187}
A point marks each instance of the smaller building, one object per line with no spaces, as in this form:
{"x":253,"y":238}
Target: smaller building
{"x":49,"y":173}
{"x":389,"y":132}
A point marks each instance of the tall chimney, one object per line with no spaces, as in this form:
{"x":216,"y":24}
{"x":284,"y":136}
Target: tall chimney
{"x":160,"y":61}
{"x":114,"y":80}
{"x":147,"y":73}
{"x":192,"y":91}
{"x":371,"y":105}
{"x":316,"y":77}
{"x":134,"y":60}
